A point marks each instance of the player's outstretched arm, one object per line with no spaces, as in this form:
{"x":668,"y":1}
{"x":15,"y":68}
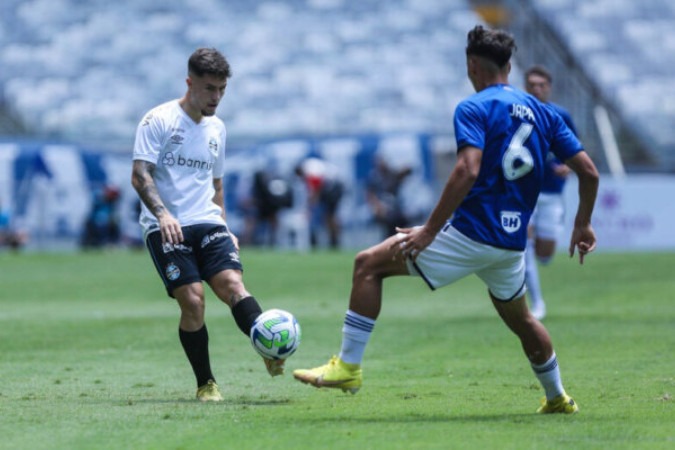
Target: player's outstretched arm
{"x":583,"y":237}
{"x":459,"y":184}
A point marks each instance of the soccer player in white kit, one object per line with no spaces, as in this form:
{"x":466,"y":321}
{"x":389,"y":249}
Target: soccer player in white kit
{"x":178,"y":168}
{"x":479,"y":224}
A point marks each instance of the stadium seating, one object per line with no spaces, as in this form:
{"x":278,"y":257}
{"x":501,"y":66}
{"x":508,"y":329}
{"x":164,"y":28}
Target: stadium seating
{"x":628,"y":47}
{"x":87,"y":70}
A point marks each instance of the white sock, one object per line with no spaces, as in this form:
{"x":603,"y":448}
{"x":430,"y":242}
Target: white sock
{"x":549,"y":377}
{"x":532,"y":275}
{"x":355,"y":335}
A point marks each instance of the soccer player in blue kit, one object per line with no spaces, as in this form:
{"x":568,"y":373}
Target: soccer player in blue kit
{"x":479,"y":225}
{"x":547,"y":220}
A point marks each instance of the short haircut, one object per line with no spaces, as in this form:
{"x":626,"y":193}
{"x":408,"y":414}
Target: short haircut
{"x":208,"y":61}
{"x":494,"y":45}
{"x":540,"y":71}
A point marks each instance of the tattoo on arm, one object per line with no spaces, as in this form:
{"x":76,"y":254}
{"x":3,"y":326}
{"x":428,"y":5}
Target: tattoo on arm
{"x":144,"y":184}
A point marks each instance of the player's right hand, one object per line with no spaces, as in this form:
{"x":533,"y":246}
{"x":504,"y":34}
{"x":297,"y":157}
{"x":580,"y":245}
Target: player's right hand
{"x":411,"y":241}
{"x":170,"y":228}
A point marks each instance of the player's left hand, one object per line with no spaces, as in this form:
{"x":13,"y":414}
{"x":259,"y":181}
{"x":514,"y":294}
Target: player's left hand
{"x":235,"y":240}
{"x":583,"y":240}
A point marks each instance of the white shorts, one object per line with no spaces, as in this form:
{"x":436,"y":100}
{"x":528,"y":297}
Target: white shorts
{"x":452,"y":256}
{"x":548,"y":218}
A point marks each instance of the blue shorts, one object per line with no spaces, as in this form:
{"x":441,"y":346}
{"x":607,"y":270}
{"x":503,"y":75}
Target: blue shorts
{"x":206,"y":250}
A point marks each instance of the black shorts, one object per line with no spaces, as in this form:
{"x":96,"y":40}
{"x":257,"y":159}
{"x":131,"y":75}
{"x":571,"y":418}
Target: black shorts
{"x":206,"y":250}
{"x":330,"y":195}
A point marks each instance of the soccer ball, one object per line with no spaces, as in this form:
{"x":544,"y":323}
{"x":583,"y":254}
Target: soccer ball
{"x":275,"y":334}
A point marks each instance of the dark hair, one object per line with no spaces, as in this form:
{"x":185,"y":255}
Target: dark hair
{"x":494,"y":45}
{"x":541,"y":71}
{"x":208,"y":61}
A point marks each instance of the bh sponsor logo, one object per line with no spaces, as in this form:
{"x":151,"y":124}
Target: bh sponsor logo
{"x":511,"y":221}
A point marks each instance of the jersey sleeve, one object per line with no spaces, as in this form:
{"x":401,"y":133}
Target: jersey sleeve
{"x":564,"y":144}
{"x":469,"y":126}
{"x":148,"y":138}
{"x":219,"y":165}
{"x":566,"y":117}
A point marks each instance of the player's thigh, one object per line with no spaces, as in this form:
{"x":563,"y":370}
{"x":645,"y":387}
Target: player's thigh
{"x":215,"y":250}
{"x":381,"y":259}
{"x":219,"y":263}
{"x":175,"y":264}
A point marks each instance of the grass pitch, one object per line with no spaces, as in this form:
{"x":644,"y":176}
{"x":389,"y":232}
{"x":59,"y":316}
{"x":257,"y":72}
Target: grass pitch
{"x":90,"y":359}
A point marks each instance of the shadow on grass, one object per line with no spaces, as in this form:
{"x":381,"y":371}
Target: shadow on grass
{"x":226,"y":402}
{"x":435,"y":418}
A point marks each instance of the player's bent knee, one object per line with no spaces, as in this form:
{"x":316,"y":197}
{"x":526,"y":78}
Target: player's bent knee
{"x":361,"y":262}
{"x":192,"y":308}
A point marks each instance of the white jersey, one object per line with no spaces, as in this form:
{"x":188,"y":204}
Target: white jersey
{"x":187,"y":156}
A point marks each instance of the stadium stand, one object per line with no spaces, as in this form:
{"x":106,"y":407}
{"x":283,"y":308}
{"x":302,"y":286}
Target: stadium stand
{"x":87,"y":70}
{"x":627,"y":51}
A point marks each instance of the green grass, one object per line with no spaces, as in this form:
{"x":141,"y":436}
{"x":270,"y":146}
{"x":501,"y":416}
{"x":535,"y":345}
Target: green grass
{"x":90,"y":359}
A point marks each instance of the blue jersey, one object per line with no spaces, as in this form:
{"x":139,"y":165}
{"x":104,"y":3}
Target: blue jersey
{"x":515,"y":133}
{"x":554,"y":184}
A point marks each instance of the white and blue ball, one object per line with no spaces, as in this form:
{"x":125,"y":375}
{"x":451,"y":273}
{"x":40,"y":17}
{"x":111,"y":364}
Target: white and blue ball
{"x":275,"y":334}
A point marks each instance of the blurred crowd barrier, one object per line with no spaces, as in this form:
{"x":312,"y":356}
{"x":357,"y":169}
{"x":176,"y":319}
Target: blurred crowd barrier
{"x":633,"y":213}
{"x":49,"y":190}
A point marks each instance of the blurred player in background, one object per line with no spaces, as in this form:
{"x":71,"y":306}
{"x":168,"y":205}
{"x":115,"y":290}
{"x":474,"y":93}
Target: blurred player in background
{"x":479,"y":225}
{"x":383,"y":194}
{"x":324,"y":193}
{"x":178,"y":173}
{"x":547,"y":222}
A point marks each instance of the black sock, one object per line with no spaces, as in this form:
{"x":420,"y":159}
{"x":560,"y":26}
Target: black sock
{"x":196,"y":346}
{"x":245,"y":311}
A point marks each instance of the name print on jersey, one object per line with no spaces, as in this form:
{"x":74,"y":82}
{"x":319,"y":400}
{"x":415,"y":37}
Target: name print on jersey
{"x":522,"y":112}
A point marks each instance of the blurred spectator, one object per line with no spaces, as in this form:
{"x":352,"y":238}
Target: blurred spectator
{"x":134,"y":237}
{"x":102,"y":227}
{"x":269,"y":195}
{"x":325,"y":190}
{"x":383,"y":190}
{"x":9,"y":236}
